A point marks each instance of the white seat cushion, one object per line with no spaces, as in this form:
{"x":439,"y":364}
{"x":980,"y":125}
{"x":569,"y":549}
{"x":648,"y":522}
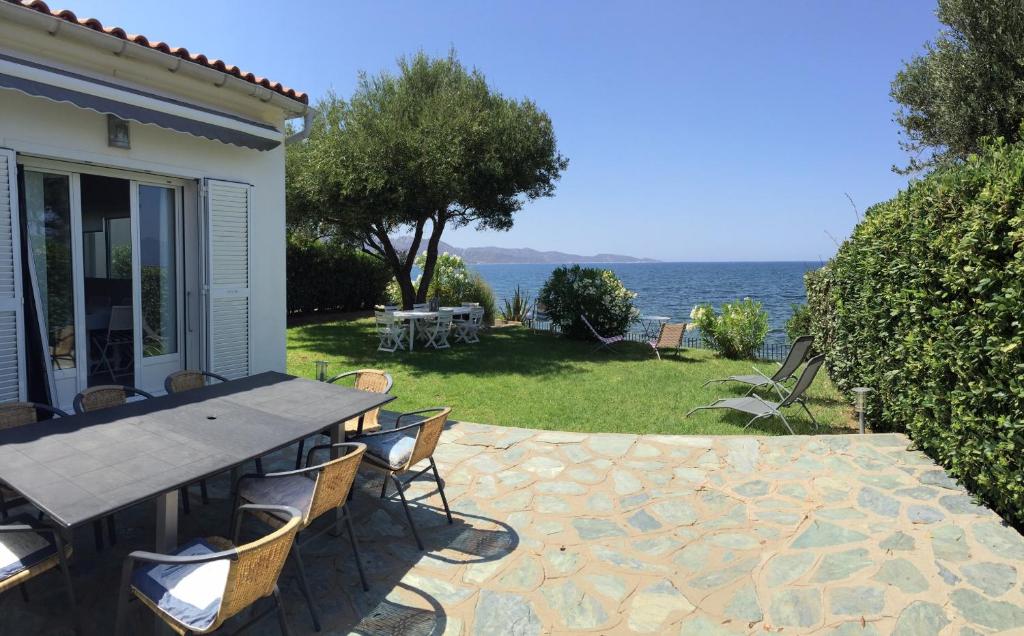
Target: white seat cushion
{"x":21,"y":550}
{"x":394,"y":449}
{"x":293,"y":490}
{"x":190,"y":593}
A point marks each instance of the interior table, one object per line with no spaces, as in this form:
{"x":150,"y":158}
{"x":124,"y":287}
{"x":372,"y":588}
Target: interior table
{"x":84,"y":467}
{"x":416,"y":315}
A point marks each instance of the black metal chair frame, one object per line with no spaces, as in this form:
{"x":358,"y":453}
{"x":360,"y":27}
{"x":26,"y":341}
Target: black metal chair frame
{"x":306,"y":534}
{"x":400,"y":485}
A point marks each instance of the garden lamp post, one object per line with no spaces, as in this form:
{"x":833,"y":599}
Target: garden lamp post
{"x":321,"y":370}
{"x":858,"y":403}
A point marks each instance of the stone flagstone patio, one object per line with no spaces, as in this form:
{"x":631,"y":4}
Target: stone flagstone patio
{"x":564,"y":532}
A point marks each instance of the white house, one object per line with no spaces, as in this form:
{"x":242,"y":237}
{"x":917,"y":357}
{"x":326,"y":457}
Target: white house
{"x":142,"y":209}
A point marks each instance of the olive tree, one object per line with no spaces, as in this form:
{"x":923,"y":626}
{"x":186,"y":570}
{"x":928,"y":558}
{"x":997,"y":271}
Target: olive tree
{"x":968,"y":85}
{"x":429,"y":148}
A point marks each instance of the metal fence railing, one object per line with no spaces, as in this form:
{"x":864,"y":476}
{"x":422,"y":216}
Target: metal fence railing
{"x":775,"y":351}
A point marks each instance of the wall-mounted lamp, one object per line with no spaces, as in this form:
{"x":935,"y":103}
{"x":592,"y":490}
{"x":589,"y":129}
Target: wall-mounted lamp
{"x":858,"y":403}
{"x":321,"y":370}
{"x":119,"y":134}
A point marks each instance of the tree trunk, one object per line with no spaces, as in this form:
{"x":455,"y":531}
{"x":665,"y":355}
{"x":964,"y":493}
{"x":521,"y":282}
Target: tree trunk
{"x":428,"y":267}
{"x":402,"y":268}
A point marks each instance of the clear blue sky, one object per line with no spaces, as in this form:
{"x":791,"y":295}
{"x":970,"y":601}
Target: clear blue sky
{"x":695,"y":130}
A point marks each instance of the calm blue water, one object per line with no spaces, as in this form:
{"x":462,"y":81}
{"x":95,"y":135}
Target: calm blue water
{"x":672,"y":289}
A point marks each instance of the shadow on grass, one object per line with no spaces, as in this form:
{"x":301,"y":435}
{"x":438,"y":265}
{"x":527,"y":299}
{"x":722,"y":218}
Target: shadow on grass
{"x":502,"y":351}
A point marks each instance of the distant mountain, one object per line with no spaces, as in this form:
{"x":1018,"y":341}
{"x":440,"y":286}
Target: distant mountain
{"x":503,"y":255}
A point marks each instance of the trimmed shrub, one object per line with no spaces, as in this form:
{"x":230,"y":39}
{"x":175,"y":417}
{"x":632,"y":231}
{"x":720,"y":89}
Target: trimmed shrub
{"x":799,"y":322}
{"x":326,"y":277}
{"x":598,"y":294}
{"x":924,"y":303}
{"x":737,"y":332}
{"x":453,"y":284}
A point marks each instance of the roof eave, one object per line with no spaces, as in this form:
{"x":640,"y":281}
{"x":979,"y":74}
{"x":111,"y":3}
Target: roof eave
{"x":58,"y":27}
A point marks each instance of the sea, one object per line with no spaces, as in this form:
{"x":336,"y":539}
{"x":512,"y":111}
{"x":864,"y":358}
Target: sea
{"x":673,"y":289}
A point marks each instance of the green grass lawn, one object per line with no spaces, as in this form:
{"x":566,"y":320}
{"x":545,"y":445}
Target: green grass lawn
{"x":515,"y":377}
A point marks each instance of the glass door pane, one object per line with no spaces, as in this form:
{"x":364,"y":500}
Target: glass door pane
{"x":158,"y":252}
{"x":107,"y":256}
{"x":48,"y":216}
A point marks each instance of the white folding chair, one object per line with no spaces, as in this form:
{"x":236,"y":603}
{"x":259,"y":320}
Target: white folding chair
{"x":468,"y":330}
{"x":391,"y":331}
{"x":437,"y":329}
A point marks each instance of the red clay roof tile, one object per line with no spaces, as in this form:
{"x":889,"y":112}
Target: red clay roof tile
{"x":183,"y":53}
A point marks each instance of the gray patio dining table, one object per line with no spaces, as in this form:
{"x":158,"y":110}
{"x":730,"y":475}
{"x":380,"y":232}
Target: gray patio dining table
{"x":84,"y":467}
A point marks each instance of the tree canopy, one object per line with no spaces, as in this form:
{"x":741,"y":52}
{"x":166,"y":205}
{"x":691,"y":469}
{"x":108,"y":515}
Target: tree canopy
{"x":430,"y":148}
{"x":968,"y":85}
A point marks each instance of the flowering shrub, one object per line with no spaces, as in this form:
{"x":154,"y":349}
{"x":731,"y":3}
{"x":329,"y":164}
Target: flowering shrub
{"x":737,"y":332}
{"x":452,"y":283}
{"x":598,"y":294}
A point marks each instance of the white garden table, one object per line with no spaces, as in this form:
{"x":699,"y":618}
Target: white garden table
{"x":415,"y":315}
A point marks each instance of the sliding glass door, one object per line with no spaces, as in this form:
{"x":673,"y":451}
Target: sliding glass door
{"x":108,"y":267}
{"x":159,"y":282}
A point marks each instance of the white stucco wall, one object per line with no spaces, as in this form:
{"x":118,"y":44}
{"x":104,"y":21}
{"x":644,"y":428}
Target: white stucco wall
{"x":42,"y":128}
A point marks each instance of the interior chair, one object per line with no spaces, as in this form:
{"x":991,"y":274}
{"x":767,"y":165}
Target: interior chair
{"x":207,"y":581}
{"x":314,"y":491}
{"x":120,"y":334}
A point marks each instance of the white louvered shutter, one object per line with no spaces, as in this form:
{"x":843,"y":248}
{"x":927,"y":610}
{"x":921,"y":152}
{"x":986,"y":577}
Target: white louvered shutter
{"x":12,"y":323}
{"x":228,"y":208}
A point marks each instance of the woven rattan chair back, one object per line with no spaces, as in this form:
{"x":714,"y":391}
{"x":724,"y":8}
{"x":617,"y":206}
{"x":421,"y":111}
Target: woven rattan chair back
{"x":15,"y":414}
{"x":427,"y":436}
{"x":254,"y":573}
{"x":372,"y":380}
{"x":334,"y":483}
{"x":96,"y":398}
{"x":188,"y":380}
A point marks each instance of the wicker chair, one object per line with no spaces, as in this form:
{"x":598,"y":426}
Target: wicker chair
{"x":97,"y":398}
{"x":396,"y":451}
{"x":188,"y":380}
{"x":670,"y":336}
{"x":29,"y":549}
{"x":105,"y":396}
{"x":14,"y":414}
{"x":227,"y":576}
{"x":372,"y":380}
{"x":315,"y":491}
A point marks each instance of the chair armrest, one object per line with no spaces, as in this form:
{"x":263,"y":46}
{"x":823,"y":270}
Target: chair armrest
{"x":216,"y":376}
{"x":145,"y":394}
{"x":436,"y":409}
{"x":142,"y":556}
{"x":26,"y":527}
{"x":340,"y":376}
{"x":353,"y":445}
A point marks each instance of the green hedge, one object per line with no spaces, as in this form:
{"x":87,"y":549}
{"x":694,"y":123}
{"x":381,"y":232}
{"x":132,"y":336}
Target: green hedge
{"x":924,"y":304}
{"x":325,"y":277}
